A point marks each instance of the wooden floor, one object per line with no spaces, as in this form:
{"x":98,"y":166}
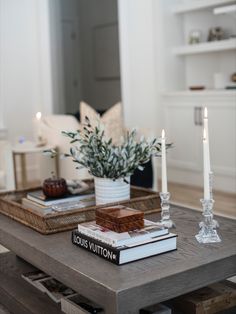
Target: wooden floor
{"x":225,"y":203}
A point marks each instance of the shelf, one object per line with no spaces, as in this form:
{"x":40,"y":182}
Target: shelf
{"x":199,"y":5}
{"x":227,"y":44}
{"x":229,"y":9}
{"x":16,"y":294}
{"x":205,"y":93}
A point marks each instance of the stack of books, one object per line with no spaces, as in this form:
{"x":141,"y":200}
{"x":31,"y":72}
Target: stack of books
{"x":124,"y":247}
{"x":37,"y":201}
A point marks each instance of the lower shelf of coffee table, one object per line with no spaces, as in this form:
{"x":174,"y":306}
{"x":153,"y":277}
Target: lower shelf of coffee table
{"x":18,"y":296}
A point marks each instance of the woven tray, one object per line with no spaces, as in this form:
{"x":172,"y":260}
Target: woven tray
{"x":10,"y":205}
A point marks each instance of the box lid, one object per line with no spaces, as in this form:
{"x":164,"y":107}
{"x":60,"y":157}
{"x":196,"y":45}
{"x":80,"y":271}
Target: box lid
{"x":119,"y":214}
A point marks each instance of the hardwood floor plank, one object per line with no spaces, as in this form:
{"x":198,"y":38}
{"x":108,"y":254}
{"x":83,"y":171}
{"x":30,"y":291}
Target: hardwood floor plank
{"x":189,"y":196}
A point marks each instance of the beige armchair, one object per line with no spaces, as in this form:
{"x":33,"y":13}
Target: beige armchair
{"x":52,"y":126}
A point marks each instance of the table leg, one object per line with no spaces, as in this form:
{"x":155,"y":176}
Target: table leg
{"x":15,"y":171}
{"x":57,"y":165}
{"x":23,"y":170}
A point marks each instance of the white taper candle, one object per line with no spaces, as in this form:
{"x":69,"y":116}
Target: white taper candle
{"x":207,"y":137}
{"x":38,"y":123}
{"x":163,"y":162}
{"x":206,"y":169}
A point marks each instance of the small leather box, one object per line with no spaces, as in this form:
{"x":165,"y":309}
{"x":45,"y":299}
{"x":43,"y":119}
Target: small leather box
{"x":120,"y":218}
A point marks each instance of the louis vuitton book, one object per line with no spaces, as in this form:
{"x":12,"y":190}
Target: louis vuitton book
{"x":127,"y":253}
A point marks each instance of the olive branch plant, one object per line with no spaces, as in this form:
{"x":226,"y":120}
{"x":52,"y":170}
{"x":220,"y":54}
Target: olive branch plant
{"x":102,"y":158}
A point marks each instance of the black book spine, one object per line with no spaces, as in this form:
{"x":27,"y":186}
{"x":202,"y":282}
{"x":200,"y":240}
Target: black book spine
{"x":96,"y":247}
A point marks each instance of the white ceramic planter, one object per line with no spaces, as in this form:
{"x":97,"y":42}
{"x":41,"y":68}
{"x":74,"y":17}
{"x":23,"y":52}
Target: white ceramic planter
{"x":109,"y":191}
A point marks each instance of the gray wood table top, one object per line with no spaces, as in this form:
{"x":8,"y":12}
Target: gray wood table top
{"x":127,"y":288}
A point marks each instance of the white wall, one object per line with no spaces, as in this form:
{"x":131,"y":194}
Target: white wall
{"x":25,"y":81}
{"x":29,"y":81}
{"x":137,"y":53}
{"x":55,"y":15}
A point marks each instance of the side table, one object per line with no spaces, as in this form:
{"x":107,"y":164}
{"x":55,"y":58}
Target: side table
{"x":22,"y":150}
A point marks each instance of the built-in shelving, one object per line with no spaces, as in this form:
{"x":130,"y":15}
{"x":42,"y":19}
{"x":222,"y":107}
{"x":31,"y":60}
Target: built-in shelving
{"x":199,"y":5}
{"x":207,"y":64}
{"x":227,"y":44}
{"x":228,"y":9}
{"x":205,"y":92}
{"x":197,"y":64}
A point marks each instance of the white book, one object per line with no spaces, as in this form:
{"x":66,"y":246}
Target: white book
{"x":150,"y":230}
{"x":65,"y":206}
{"x":35,"y":206}
{"x":146,"y":249}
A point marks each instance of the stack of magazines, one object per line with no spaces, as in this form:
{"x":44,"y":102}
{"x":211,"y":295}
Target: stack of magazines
{"x":46,"y":284}
{"x":37,"y":201}
{"x":125,"y":247}
{"x":71,"y":302}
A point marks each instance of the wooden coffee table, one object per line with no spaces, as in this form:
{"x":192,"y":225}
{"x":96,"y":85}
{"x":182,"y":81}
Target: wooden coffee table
{"x":128,"y":288}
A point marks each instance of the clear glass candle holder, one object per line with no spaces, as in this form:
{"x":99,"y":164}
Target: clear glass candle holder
{"x":165,"y":210}
{"x":207,"y":232}
{"x":215,"y":222}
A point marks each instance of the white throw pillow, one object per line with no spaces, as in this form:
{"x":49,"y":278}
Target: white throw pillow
{"x":112,"y":120}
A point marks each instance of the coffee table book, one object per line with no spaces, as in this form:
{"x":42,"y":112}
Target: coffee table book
{"x":129,"y":253}
{"x":150,"y":230}
{"x":85,"y":202}
{"x":39,"y":197}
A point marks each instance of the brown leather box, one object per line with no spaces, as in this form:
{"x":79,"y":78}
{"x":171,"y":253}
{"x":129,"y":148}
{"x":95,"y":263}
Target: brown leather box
{"x":120,"y":218}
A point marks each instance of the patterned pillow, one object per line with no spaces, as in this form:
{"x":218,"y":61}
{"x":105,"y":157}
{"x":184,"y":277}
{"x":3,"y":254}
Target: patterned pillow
{"x":112,"y":120}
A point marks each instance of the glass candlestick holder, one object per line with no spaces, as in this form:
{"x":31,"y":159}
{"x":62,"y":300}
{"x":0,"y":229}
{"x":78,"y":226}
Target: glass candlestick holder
{"x":165,"y":210}
{"x":207,"y":232}
{"x":215,"y":222}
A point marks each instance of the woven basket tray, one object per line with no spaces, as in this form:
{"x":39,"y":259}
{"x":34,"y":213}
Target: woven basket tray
{"x":10,"y":205}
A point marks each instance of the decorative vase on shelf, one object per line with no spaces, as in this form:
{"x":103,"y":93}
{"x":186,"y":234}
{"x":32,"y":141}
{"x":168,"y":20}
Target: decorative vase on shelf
{"x":110,"y":191}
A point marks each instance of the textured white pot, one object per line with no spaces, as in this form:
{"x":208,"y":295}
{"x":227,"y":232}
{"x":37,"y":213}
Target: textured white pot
{"x":109,"y":191}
